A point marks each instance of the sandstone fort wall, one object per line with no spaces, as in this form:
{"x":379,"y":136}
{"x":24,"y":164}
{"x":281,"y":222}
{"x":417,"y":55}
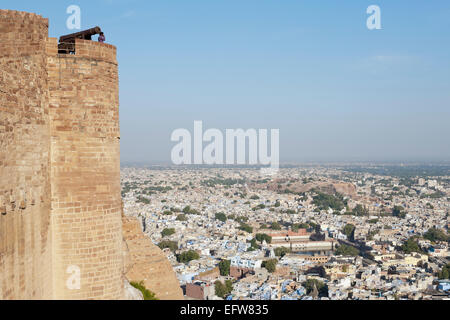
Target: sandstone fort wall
{"x":59,"y":165}
{"x":25,"y":234}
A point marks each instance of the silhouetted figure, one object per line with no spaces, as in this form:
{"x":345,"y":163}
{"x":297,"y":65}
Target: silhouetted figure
{"x":101,"y":37}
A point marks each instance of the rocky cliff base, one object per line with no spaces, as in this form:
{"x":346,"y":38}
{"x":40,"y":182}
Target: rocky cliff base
{"x":146,"y":262}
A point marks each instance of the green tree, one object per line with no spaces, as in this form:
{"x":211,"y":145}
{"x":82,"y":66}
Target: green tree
{"x":253,"y":244}
{"x":181,"y":217}
{"x":359,"y":210}
{"x":222,"y":290}
{"x":172,"y":245}
{"x":399,"y":211}
{"x":168,"y":232}
{"x":322,"y":288}
{"x":221,"y":216}
{"x":224,"y":267}
{"x":296,"y":227}
{"x":229,"y":286}
{"x":349,"y":231}
{"x":143,"y":200}
{"x":411,"y":245}
{"x":259,"y":207}
{"x":345,"y":250}
{"x":270,"y":265}
{"x":281,"y":251}
{"x":187,"y":256}
{"x":325,"y":201}
{"x":434,"y":234}
{"x":445,"y":272}
{"x":275,"y":226}
{"x":262,"y":236}
{"x":245,"y":227}
{"x":240,"y":219}
{"x":187,"y":209}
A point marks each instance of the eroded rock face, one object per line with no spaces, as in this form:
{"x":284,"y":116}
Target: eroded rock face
{"x":147,"y":263}
{"x":347,"y":189}
{"x":331,"y":187}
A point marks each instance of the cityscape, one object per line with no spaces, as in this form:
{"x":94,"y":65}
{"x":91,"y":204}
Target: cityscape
{"x":362,"y":232}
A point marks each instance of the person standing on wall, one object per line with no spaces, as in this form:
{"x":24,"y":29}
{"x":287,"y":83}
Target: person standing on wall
{"x":101,"y":37}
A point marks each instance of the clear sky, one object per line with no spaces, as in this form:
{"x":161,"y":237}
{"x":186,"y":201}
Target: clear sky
{"x":336,"y":90}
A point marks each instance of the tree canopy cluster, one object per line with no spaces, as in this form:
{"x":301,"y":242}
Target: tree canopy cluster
{"x":275,"y":226}
{"x":238,"y":219}
{"x":168,"y":232}
{"x":270,"y":265}
{"x":223,"y":290}
{"x":445,"y":272}
{"x":325,"y":201}
{"x":245,"y":227}
{"x":189,"y":210}
{"x":253,"y":245}
{"x":221,"y":216}
{"x":399,"y":211}
{"x":172,"y":245}
{"x":345,"y":250}
{"x":224,"y":267}
{"x":259,"y":207}
{"x":359,"y":210}
{"x":281,"y":251}
{"x":181,"y":217}
{"x":263,"y":237}
{"x":187,"y":256}
{"x":435,"y":235}
{"x":141,"y":199}
{"x":322,"y":288}
{"x":411,"y":245}
{"x":349,"y":231}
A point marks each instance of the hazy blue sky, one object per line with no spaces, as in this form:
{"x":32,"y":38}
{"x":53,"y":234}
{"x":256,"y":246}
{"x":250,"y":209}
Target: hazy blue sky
{"x":336,"y":90}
